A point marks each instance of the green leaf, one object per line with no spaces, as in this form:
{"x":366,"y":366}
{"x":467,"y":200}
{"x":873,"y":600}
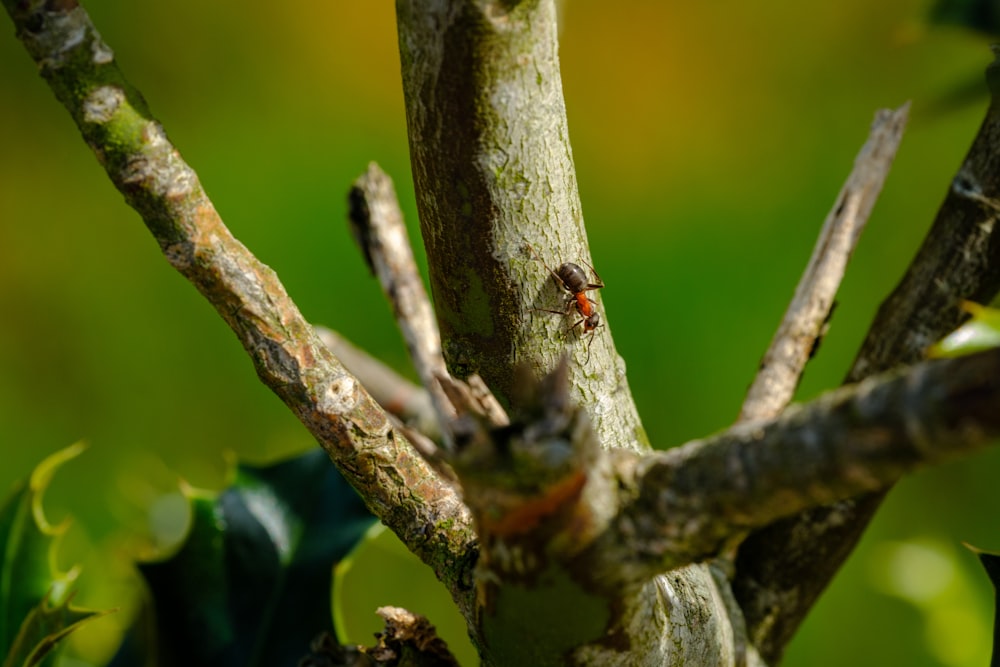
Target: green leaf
{"x":980,"y":15}
{"x":991,"y":563}
{"x":34,"y":594}
{"x":980,"y":332}
{"x":44,"y":627}
{"x":252,"y":582}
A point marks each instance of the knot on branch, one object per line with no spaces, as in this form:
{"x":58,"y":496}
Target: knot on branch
{"x":527,"y":478}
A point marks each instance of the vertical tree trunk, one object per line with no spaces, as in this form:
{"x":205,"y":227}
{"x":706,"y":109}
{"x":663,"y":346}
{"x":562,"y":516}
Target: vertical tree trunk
{"x":493,"y":173}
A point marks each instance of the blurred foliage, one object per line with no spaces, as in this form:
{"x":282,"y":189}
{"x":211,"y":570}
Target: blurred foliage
{"x":35,"y":610}
{"x":710,"y":139}
{"x":981,"y":15}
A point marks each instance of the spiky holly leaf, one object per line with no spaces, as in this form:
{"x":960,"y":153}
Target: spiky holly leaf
{"x":34,"y":594}
{"x":252,"y":582}
{"x":980,"y":332}
{"x":44,"y":628}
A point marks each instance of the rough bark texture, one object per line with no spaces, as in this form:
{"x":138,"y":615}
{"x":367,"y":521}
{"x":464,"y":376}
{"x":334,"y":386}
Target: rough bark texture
{"x":682,"y":505}
{"x":782,"y":569}
{"x":493,"y":171}
{"x":573,"y":532}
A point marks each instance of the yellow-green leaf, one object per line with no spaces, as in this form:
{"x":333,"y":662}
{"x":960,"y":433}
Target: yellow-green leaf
{"x":980,"y":332}
{"x":44,"y":627}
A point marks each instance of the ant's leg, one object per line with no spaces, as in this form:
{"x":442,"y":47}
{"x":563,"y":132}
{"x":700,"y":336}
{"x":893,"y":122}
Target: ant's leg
{"x":593,"y":332}
{"x":592,"y":286}
{"x":569,"y":309}
{"x":555,"y":276}
{"x":575,"y":325}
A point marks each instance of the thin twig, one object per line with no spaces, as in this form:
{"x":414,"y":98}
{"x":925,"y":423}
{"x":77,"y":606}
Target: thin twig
{"x":809,"y":311}
{"x":396,"y":483}
{"x":397,"y":395}
{"x":474,"y":397}
{"x":377,"y":224}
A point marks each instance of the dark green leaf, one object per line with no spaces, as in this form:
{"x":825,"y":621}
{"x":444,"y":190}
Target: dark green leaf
{"x":991,"y":563}
{"x":252,"y":582}
{"x":980,"y":15}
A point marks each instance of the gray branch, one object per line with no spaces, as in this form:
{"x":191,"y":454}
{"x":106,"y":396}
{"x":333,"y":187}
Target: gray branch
{"x":377,"y":223}
{"x":494,"y":172}
{"x":804,"y":322}
{"x":683,"y":505}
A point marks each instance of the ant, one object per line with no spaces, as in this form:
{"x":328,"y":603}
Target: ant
{"x":572,"y":278}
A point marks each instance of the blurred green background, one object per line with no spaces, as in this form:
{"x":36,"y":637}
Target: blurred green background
{"x":710,"y":141}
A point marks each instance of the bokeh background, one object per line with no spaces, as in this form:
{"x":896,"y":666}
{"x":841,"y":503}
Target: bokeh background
{"x":710,"y":141}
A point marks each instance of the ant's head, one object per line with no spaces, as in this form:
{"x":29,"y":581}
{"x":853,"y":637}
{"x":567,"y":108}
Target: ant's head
{"x":589,"y":326}
{"x":592,"y":322}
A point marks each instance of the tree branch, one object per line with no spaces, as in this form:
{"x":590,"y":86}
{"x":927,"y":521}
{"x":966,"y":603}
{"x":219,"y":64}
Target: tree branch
{"x":803,"y":326}
{"x":397,"y":395}
{"x":493,"y":172}
{"x":395,"y":482}
{"x":782,"y":569}
{"x":377,"y":224}
{"x":682,"y":505}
